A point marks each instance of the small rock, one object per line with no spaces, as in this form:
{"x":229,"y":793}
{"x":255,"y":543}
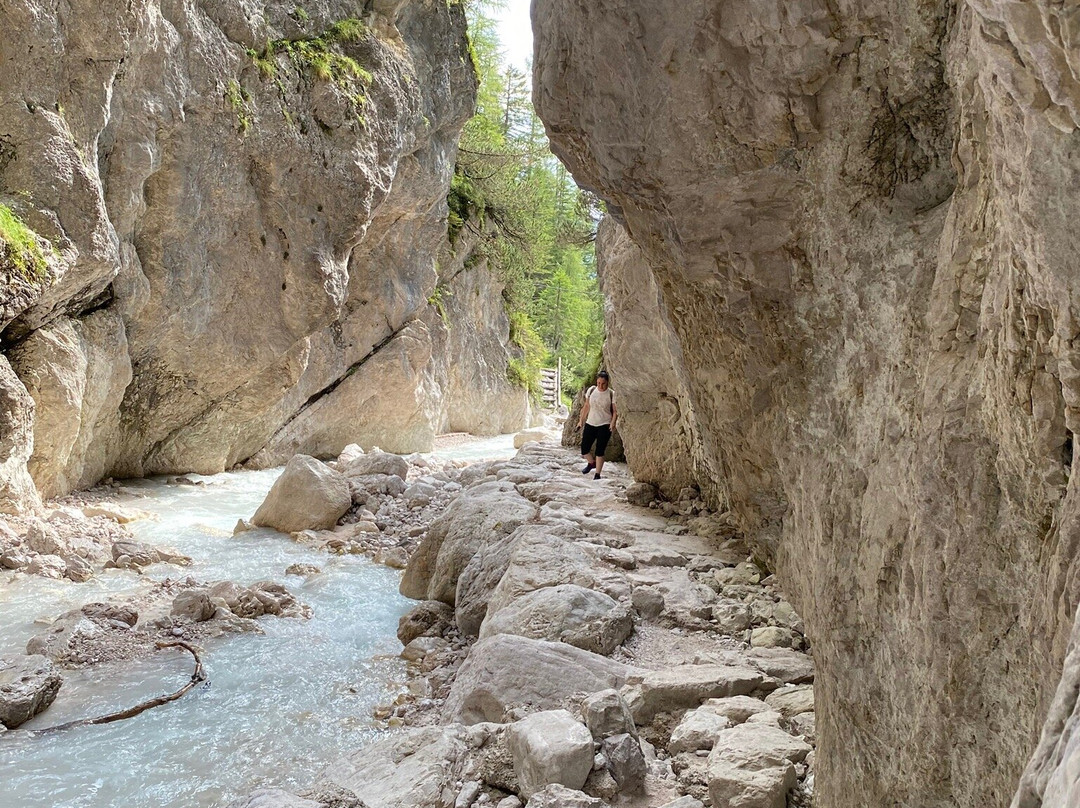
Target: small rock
{"x":792,"y":701}
{"x":47,"y":566}
{"x":468,"y":794}
{"x":194,"y":604}
{"x":731,"y":616}
{"x":428,"y":618}
{"x":550,"y":747}
{"x":302,"y":569}
{"x":421,"y":647}
{"x":606,"y":714}
{"x":697,"y":730}
{"x":556,"y":796}
{"x":641,"y":494}
{"x":28,"y":685}
{"x":772,"y":637}
{"x":376,"y":462}
{"x":625,"y":761}
{"x":744,"y":574}
{"x":242,"y":526}
{"x":78,"y":569}
{"x":648,"y":601}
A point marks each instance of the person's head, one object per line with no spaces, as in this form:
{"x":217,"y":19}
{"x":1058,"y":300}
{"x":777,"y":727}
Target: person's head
{"x":602,"y":380}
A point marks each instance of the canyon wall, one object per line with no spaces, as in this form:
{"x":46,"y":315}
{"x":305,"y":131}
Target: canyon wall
{"x":842,"y":276}
{"x":246,"y":203}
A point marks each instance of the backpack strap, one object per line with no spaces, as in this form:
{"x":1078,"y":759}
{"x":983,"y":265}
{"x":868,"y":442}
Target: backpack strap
{"x":589,"y":392}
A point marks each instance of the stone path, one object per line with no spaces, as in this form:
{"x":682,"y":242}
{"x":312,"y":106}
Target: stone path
{"x":573,"y":649}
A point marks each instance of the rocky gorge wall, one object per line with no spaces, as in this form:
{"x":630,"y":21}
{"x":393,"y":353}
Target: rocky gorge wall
{"x":246,"y":203}
{"x":841,"y":276}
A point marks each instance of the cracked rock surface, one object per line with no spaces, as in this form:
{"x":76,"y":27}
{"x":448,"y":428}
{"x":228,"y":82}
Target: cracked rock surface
{"x":841,"y":279}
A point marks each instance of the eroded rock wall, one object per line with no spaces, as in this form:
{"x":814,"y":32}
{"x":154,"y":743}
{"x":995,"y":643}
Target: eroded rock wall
{"x":858,"y":220}
{"x":472,"y":343}
{"x":242,"y":224}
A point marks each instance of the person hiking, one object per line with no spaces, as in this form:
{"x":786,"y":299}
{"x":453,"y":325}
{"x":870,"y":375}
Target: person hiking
{"x":597,"y":421}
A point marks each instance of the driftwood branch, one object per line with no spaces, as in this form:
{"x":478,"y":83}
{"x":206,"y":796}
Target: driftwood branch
{"x":197,"y":676}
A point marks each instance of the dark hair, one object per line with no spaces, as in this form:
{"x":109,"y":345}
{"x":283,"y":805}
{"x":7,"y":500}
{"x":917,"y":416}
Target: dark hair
{"x":602,"y":375}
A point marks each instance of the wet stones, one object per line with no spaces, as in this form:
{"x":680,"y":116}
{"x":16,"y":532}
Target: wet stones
{"x":307,"y":495}
{"x":28,"y":686}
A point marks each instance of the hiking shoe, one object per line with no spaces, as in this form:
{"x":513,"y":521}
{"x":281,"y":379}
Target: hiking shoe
{"x":596,"y":476}
{"x":588,"y":468}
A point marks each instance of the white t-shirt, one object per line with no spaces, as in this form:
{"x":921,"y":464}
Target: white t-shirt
{"x":600,"y":403}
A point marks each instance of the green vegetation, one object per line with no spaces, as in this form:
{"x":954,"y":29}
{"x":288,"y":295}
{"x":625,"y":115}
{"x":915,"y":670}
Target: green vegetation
{"x":21,"y":247}
{"x":237,"y":98}
{"x":319,"y":56}
{"x":536,"y":227}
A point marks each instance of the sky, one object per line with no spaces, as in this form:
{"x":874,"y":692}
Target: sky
{"x":515,"y":33}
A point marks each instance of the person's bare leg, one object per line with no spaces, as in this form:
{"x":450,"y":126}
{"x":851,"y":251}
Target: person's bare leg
{"x":590,"y":461}
{"x":599,"y":464}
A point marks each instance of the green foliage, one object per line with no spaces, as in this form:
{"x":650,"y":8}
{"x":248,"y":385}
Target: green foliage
{"x":541,"y":243}
{"x":319,"y":56}
{"x":437,"y":300}
{"x":238,"y":98}
{"x":300,"y":14}
{"x":21,"y":247}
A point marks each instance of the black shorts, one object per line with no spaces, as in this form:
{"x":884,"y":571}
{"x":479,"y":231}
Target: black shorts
{"x":600,"y":434}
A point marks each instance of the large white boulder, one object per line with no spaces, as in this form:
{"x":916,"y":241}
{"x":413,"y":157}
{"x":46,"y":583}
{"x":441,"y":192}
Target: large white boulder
{"x":550,"y":747}
{"x":683,"y":686}
{"x":751,"y":766}
{"x":481,"y":515}
{"x":414,"y":767}
{"x":28,"y":685}
{"x":309,"y":495}
{"x":507,"y":670}
{"x":376,"y":463}
{"x":567,"y":613}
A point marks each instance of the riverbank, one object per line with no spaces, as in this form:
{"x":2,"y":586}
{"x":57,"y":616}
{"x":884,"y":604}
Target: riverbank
{"x":574,"y":649}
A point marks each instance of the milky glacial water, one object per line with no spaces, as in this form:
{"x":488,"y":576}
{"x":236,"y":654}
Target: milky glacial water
{"x":278,"y":707}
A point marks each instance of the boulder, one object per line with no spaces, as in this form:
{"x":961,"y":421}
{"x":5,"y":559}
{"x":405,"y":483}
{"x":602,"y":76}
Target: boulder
{"x":367,"y":485}
{"x":792,"y":701}
{"x":28,"y":685}
{"x":479,"y":579}
{"x":47,"y":566}
{"x":274,"y":798}
{"x":677,"y":688}
{"x":429,"y":618}
{"x":568,"y":613}
{"x":698,"y":729}
{"x":377,"y":463}
{"x":308,"y":495}
{"x":410,"y":768}
{"x":751,"y":766}
{"x":77,"y":568}
{"x":648,"y":600}
{"x":772,"y":637}
{"x":483,"y":514}
{"x":731,"y":616}
{"x":625,"y":762}
{"x":550,"y":747}
{"x":557,"y":796}
{"x":736,"y":709}
{"x":507,"y":670}
{"x":641,"y":494}
{"x":606,"y":713}
{"x":786,"y":665}
{"x":193,"y":604}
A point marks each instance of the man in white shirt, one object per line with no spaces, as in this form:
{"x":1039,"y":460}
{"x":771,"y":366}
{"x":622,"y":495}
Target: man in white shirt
{"x":598,"y":417}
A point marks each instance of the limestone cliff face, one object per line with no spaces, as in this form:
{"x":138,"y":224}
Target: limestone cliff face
{"x":854,"y":235}
{"x":472,"y":345}
{"x":247,"y":201}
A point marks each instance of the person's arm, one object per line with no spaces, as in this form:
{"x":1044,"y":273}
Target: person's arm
{"x":614,"y":413}
{"x":584,"y":412}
